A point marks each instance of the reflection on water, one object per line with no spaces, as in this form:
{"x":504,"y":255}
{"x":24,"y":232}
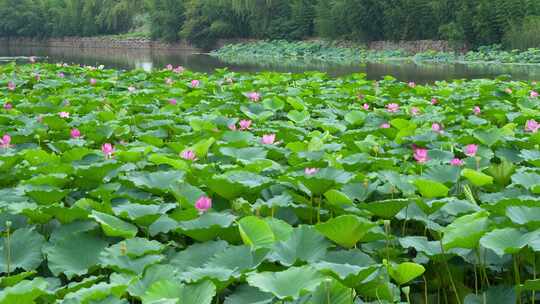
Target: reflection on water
{"x":148,"y":59}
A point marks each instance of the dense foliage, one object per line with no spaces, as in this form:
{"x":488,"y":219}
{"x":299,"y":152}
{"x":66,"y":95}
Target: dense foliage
{"x":178,"y":187}
{"x":349,"y":54}
{"x":474,"y":22}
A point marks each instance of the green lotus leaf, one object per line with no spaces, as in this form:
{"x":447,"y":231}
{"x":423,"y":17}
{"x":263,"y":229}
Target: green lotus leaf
{"x":113,"y":226}
{"x":287,"y":284}
{"x":21,"y":251}
{"x":405,"y":272}
{"x":477,"y":178}
{"x":345,"y":230}
{"x":255,"y":232}
{"x":305,"y":244}
{"x":74,"y":255}
{"x":431,"y":189}
{"x":466,"y":231}
{"x":24,"y":292}
{"x":201,"y":293}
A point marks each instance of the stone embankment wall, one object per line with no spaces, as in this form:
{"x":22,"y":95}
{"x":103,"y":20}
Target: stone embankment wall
{"x":142,"y":43}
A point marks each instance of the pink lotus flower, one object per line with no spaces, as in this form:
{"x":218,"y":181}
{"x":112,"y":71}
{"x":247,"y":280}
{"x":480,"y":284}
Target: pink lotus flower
{"x":471,"y":150}
{"x":268,"y":139}
{"x":365,"y":106}
{"x":456,"y":162}
{"x":132,"y":89}
{"x":61,"y":75}
{"x":172,"y":101}
{"x":11,"y":86}
{"x":8,"y":106}
{"x":421,"y":155}
{"x":195,"y":83}
{"x":232,"y":127}
{"x":63,"y":114}
{"x":532,"y":126}
{"x":179,"y":69}
{"x":415,"y":111}
{"x":108,"y":150}
{"x":434,"y":101}
{"x":436,"y":127}
{"x":385,"y":126}
{"x":189,"y":155}
{"x":254,"y":96}
{"x":311,"y":171}
{"x":477,"y":110}
{"x":392,"y":108}
{"x":5,"y":141}
{"x":508,"y":91}
{"x":412,"y":84}
{"x":534,"y":94}
{"x":168,"y":81}
{"x":203,"y":204}
{"x":32,"y":59}
{"x":93,"y":81}
{"x":75,"y":133}
{"x":245,"y":124}
{"x":169,"y":67}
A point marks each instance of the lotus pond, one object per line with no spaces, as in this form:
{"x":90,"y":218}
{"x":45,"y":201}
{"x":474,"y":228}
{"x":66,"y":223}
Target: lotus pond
{"x":179,"y":187}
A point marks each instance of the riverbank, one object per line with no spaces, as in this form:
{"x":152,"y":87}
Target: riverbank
{"x":141,"y":42}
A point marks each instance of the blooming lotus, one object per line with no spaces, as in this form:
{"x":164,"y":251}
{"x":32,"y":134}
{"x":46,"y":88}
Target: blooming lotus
{"x":11,"y":86}
{"x":172,"y":101}
{"x":532,"y":126}
{"x":365,"y":106}
{"x":8,"y":106}
{"x":311,"y":171}
{"x":392,"y":108}
{"x":268,"y":139}
{"x":61,"y":75}
{"x":93,"y":81}
{"x":434,"y":101}
{"x":508,"y":91}
{"x":75,"y":133}
{"x":63,"y":114}
{"x":412,"y":84}
{"x":189,"y":155}
{"x":436,"y":127}
{"x":415,"y":111}
{"x":477,"y":110}
{"x":245,"y":124}
{"x":456,"y":162}
{"x":232,"y":127}
{"x":254,"y":96}
{"x":108,"y":150}
{"x":421,"y":155}
{"x":178,"y":69}
{"x":169,"y":67}
{"x":534,"y":94}
{"x":132,"y":89}
{"x":203,"y":204}
{"x":385,"y":126}
{"x":5,"y":141}
{"x":471,"y":150}
{"x":195,"y":83}
{"x":168,"y":81}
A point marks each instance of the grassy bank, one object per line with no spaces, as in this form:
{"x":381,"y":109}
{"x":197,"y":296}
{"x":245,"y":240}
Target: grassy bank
{"x":179,"y":187}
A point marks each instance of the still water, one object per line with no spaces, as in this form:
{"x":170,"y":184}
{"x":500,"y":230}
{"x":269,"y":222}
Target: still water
{"x":148,"y":59}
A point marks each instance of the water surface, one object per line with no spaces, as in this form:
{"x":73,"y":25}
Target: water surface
{"x":148,"y":59}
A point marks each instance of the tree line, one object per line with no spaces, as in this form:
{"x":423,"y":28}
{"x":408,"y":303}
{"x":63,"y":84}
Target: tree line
{"x":474,"y":22}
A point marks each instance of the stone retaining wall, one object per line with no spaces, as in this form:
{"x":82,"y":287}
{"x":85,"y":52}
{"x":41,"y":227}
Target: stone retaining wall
{"x":142,"y":43}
